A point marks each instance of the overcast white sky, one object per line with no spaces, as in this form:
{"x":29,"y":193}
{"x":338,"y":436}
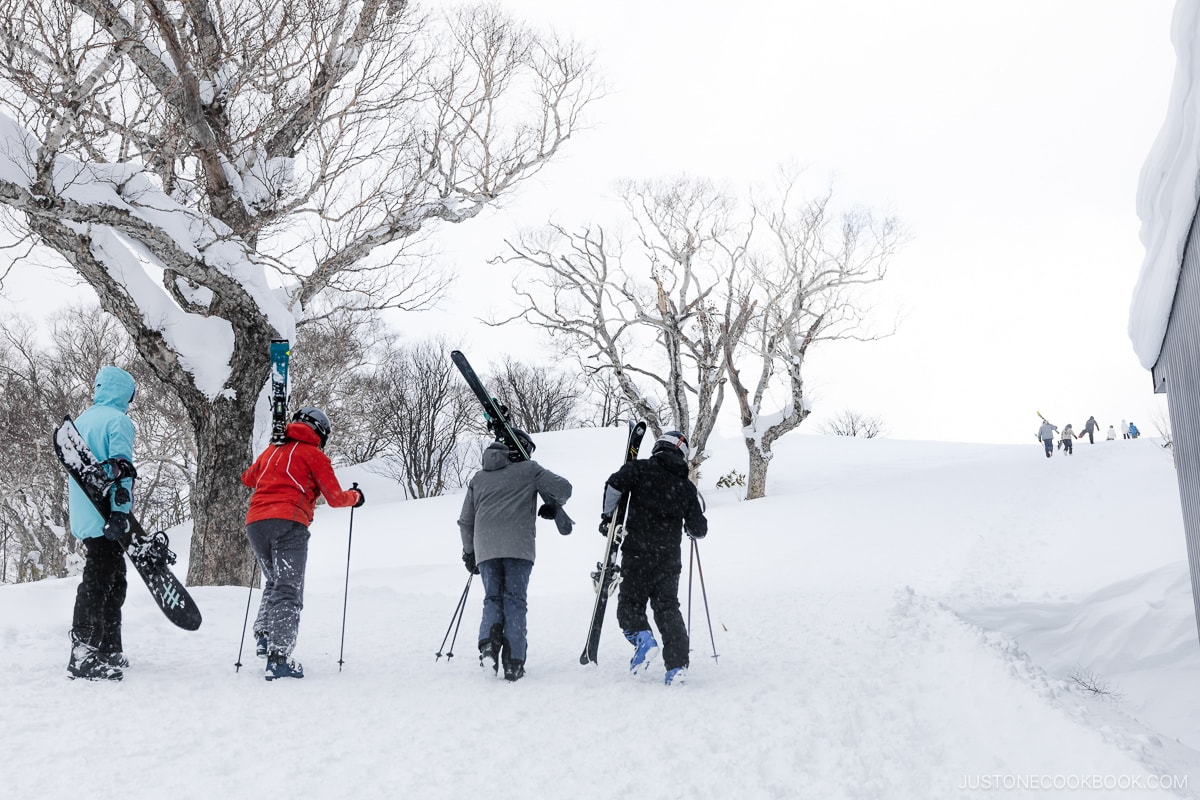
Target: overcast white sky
{"x":1008,"y":137}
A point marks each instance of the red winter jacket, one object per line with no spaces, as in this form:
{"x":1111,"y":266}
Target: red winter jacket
{"x":287,"y":479}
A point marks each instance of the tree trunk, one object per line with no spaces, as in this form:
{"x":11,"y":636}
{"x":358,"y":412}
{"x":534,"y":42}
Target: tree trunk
{"x":760,"y":459}
{"x":220,"y":553}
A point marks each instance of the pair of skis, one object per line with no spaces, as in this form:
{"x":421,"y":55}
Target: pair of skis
{"x":607,"y":576}
{"x":496,"y":416}
{"x":608,"y":570}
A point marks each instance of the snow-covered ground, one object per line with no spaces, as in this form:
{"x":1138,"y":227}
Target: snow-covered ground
{"x":896,"y":620}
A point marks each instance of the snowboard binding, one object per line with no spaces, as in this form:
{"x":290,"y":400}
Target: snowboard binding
{"x":152,"y":549}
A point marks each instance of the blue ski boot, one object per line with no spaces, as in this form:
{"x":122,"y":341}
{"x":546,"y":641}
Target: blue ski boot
{"x":676,"y":677}
{"x":645,"y":649}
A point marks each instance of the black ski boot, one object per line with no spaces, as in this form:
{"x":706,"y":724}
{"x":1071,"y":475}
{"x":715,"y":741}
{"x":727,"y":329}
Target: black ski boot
{"x":280,"y":666}
{"x":514,"y":670}
{"x":488,"y":657}
{"x":110,"y":649}
{"x":87,"y":663}
{"x":114,"y":657}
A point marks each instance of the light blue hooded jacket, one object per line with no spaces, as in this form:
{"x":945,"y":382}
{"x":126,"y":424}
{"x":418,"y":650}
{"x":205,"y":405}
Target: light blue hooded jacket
{"x":108,"y":431}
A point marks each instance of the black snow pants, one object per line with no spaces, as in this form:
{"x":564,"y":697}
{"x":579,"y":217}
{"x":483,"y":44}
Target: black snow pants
{"x":101,"y":593}
{"x":648,"y":577}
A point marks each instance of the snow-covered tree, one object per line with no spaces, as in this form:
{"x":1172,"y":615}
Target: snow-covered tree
{"x":211,"y":169}
{"x":800,"y":288}
{"x":643,"y":312}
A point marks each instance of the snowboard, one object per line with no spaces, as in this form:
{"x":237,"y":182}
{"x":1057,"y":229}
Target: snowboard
{"x":149,"y":552}
{"x":607,"y":576}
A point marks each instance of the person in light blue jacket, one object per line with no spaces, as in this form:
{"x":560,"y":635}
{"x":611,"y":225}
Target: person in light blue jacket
{"x":96,"y":649}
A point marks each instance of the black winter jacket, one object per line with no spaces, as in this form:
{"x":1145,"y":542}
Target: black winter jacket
{"x":662,"y":502}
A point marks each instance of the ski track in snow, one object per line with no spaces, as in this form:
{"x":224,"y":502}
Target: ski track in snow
{"x":866,"y":614}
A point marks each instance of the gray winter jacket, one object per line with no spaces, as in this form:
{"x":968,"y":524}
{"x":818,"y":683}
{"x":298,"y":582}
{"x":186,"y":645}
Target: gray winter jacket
{"x":1047,"y":431}
{"x":500,"y":509}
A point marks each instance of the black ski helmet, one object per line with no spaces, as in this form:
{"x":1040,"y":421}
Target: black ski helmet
{"x":672,"y":440}
{"x":314,"y":418}
{"x":526,"y":444}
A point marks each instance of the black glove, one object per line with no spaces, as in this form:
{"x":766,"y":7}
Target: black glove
{"x":469,"y":563}
{"x":695,"y":535}
{"x":119,"y":468}
{"x":117,"y":528}
{"x":362,"y":498}
{"x":605,"y":519}
{"x":548,"y":511}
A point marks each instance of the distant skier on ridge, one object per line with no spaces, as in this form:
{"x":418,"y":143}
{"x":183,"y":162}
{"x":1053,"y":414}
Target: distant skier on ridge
{"x":1046,"y":435}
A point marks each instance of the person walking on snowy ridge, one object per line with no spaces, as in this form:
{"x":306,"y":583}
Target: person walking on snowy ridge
{"x":96,"y":648}
{"x":1112,"y":434}
{"x":497,"y":524}
{"x":1090,"y":427}
{"x":287,"y":480}
{"x":1124,"y":429}
{"x":661,"y":502}
{"x":1046,"y":435}
{"x":1068,"y":439}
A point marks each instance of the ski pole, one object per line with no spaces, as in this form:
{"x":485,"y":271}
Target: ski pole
{"x":346,"y":592}
{"x":704,"y":594}
{"x":691,"y":569}
{"x":237,"y":665}
{"x":455,"y":621}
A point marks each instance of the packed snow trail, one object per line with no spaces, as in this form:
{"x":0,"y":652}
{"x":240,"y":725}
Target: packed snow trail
{"x":847,"y":666}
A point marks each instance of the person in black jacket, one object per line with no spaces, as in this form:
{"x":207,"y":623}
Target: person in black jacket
{"x":660,"y":502}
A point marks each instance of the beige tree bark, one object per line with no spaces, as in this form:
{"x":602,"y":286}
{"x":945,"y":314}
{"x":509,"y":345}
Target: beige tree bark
{"x":212,"y":168}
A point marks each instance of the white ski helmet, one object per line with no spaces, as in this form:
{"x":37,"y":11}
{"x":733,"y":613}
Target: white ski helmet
{"x":672,"y":440}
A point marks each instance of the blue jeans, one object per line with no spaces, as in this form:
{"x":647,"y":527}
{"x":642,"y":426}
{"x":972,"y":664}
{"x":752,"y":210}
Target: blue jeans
{"x":505,"y":585}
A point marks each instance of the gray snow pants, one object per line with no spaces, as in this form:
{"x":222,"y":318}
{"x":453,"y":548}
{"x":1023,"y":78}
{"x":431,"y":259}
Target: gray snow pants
{"x":281,"y":547}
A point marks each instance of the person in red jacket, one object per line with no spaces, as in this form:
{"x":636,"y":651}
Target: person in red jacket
{"x":287,"y":479}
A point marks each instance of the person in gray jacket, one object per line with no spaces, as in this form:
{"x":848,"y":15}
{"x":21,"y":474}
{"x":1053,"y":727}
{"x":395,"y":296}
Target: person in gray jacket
{"x":1046,"y":434}
{"x":1090,"y":427}
{"x":497,"y":527}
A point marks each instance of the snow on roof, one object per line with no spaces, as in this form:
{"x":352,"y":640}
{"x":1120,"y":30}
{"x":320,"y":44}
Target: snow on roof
{"x":1168,"y":191}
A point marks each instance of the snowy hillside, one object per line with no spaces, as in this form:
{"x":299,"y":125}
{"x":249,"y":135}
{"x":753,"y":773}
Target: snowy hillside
{"x":896,"y":620}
